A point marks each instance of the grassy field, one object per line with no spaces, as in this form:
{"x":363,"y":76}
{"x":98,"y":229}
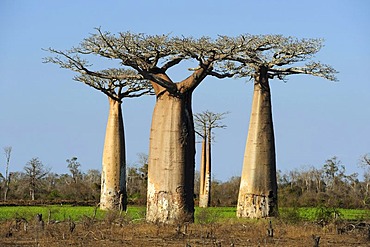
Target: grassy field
{"x":209,"y":215}
{"x":312,"y":214}
{"x":62,"y":213}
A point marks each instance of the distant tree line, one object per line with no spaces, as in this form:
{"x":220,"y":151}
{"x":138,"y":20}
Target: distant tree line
{"x":37,"y":182}
{"x":328,"y":185}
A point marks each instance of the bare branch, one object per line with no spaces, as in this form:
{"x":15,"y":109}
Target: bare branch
{"x":277,"y":52}
{"x":365,"y":161}
{"x":206,"y":121}
{"x":110,"y":81}
{"x":117,"y":88}
{"x":314,"y":68}
{"x":221,"y":75}
{"x":172,"y":62}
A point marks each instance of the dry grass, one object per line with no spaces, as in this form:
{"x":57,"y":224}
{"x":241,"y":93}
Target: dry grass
{"x":117,"y":230}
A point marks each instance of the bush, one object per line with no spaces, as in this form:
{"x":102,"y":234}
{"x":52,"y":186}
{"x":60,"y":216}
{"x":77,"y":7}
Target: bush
{"x":290,"y":215}
{"x":325,"y":215}
{"x":207,"y":215}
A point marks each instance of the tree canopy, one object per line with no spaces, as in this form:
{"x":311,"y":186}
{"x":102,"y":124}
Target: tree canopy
{"x":206,"y":121}
{"x":144,"y":59}
{"x":278,"y":54}
{"x":145,"y":56}
{"x":225,"y":56}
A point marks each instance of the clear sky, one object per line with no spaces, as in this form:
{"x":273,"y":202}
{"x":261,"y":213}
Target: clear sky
{"x":45,"y":114}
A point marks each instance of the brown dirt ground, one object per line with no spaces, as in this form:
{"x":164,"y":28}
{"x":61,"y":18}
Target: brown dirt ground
{"x":103,"y":233}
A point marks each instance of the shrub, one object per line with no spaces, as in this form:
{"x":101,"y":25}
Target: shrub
{"x":325,"y":215}
{"x":207,"y":216}
{"x":290,"y":215}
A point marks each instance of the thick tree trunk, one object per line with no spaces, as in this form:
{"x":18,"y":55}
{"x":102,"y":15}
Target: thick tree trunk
{"x":205,"y":173}
{"x":113,"y":180}
{"x":171,"y":160}
{"x":258,"y":187}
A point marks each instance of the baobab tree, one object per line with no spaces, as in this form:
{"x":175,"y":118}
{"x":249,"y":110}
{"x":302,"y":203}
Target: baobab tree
{"x":205,"y":122}
{"x":172,"y":137}
{"x":7,"y":152}
{"x":74,"y":168}
{"x":267,"y":57}
{"x":35,"y":172}
{"x":116,"y":84}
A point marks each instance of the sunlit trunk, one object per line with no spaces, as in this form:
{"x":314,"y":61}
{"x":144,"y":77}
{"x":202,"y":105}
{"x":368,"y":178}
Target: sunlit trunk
{"x":171,"y":160}
{"x":205,"y":174}
{"x":258,"y":187}
{"x":202,"y":173}
{"x":6,"y":189}
{"x":32,"y":194}
{"x":113,"y":178}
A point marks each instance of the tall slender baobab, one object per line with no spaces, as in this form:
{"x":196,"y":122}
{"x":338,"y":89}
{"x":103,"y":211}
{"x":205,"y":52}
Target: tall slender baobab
{"x":172,"y":138}
{"x":7,"y":152}
{"x":205,"y":122}
{"x":116,"y":84}
{"x":268,"y":57}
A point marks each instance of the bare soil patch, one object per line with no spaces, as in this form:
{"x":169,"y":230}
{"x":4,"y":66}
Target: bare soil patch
{"x":103,"y":233}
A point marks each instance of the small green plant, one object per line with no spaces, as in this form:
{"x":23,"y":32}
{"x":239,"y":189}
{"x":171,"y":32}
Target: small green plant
{"x":137,"y":213}
{"x":207,"y":216}
{"x":324,"y":215}
{"x":290,"y":215}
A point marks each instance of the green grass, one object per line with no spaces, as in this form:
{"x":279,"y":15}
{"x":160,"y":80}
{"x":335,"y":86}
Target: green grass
{"x":214,"y":214}
{"x":61,"y":213}
{"x":308,"y":214}
{"x":312,"y":214}
{"x":207,"y":215}
{"x":355,"y":214}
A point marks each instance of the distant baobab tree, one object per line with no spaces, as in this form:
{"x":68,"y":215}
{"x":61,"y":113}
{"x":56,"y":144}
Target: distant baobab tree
{"x":116,"y":84}
{"x":7,"y":152}
{"x":267,"y":57}
{"x":35,"y":171}
{"x":172,"y":137}
{"x":205,"y":122}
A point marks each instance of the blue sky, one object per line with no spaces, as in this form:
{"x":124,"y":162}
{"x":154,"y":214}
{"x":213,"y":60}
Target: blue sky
{"x":45,"y":114}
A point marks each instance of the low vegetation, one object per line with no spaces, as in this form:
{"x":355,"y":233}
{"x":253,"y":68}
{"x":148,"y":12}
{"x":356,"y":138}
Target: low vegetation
{"x":202,"y":215}
{"x":62,"y":225}
{"x":316,"y":204}
{"x":329,"y":186}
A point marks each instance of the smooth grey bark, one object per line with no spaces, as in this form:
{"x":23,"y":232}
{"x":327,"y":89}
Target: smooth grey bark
{"x":205,"y":171}
{"x":205,"y":123}
{"x":268,"y":57}
{"x":171,"y":159}
{"x":258,"y":188}
{"x":170,"y":170}
{"x":116,"y":84}
{"x":113,"y":178}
